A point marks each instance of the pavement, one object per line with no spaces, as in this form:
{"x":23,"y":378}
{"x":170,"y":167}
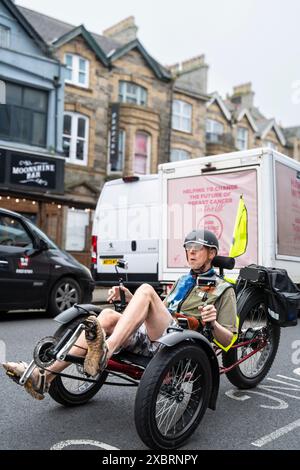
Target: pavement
{"x":100,"y":295}
{"x":264,"y":418}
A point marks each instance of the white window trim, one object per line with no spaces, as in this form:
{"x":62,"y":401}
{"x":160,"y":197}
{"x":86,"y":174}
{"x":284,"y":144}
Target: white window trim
{"x":75,"y":70}
{"x":270,"y":145}
{"x":74,"y":137}
{"x":149,"y":149}
{"x":214,"y":127}
{"x":5,"y":36}
{"x":181,"y":115}
{"x":245,"y":142}
{"x":188,"y":154}
{"x":123,"y":92}
{"x":109,"y":170}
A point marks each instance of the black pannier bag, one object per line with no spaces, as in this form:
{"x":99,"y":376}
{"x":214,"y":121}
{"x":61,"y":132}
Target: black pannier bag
{"x":282,"y":295}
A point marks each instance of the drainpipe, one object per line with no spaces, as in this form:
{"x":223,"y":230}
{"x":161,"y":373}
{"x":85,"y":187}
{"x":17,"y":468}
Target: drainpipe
{"x":57,"y":85}
{"x":171,"y":120}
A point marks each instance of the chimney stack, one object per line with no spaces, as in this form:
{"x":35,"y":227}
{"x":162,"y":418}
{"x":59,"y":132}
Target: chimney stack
{"x":123,"y":32}
{"x":191,"y":74}
{"x":243,"y":95}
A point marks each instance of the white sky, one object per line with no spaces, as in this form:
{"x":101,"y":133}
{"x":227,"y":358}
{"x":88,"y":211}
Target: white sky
{"x":243,"y":40}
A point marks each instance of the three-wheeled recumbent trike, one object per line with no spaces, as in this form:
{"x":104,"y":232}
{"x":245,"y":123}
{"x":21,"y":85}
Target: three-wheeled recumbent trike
{"x":178,"y":384}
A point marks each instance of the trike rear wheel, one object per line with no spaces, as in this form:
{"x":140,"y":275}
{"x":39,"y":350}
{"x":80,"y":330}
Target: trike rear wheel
{"x":254,"y":320}
{"x":173,"y":396}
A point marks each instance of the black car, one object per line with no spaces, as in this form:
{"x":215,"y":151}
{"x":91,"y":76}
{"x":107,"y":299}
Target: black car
{"x":34,"y":272}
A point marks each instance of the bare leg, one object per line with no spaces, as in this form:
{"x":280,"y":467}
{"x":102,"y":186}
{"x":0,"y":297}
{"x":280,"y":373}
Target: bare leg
{"x":145,"y":307}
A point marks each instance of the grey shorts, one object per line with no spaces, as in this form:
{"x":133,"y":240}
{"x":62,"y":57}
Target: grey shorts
{"x":140,"y":343}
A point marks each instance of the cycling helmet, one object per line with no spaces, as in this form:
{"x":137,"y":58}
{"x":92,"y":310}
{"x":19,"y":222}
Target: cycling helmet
{"x":203,"y":237}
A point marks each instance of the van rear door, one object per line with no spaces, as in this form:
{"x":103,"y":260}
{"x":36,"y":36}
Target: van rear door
{"x":128,"y":229}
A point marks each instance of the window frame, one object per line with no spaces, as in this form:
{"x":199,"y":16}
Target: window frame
{"x":75,"y":70}
{"x":74,"y":138}
{"x":213,"y":128}
{"x":181,"y":116}
{"x":77,"y":212}
{"x":27,"y":124}
{"x":188,"y":155}
{"x":270,"y":145}
{"x":5,"y":29}
{"x":149,"y":143}
{"x":136,"y":98}
{"x":244,"y":141}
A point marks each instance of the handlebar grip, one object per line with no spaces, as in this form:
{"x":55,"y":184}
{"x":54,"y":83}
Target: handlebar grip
{"x":122,"y":294}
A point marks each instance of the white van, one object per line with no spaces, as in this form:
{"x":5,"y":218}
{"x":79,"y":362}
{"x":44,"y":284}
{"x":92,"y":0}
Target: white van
{"x":143,"y":220}
{"x":126,"y":227}
{"x":205,"y":193}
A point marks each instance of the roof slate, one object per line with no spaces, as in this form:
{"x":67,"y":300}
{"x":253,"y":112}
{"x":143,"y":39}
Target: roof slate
{"x":51,"y":29}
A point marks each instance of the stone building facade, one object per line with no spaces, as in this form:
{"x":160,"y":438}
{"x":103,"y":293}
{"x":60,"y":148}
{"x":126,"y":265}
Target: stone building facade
{"x":235,"y":123}
{"x":124,"y":114}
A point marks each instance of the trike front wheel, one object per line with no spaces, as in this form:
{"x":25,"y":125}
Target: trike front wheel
{"x":173,"y":396}
{"x":74,"y":392}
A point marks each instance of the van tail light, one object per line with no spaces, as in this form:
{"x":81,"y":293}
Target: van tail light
{"x":94,"y":250}
{"x":167,"y":289}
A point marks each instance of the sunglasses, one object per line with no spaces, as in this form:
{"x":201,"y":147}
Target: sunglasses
{"x":194,"y":247}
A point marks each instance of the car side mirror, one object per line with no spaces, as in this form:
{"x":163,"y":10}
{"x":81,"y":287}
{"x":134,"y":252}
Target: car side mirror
{"x":42,"y":245}
{"x":39,"y":246}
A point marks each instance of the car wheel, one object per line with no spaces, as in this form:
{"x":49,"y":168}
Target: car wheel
{"x":65,"y":293}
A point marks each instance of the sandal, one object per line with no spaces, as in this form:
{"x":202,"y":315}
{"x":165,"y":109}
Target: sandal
{"x":35,"y":386}
{"x":96,"y":359}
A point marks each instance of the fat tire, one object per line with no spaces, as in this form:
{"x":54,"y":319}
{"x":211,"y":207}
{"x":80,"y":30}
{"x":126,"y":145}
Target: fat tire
{"x":145,"y":403}
{"x":236,"y":376}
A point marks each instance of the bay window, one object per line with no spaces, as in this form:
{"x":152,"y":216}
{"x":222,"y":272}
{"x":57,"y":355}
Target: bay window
{"x":142,"y":153}
{"x":131,"y":93}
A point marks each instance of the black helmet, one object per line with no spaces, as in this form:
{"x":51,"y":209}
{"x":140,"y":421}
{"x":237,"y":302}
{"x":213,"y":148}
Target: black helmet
{"x":203,"y":237}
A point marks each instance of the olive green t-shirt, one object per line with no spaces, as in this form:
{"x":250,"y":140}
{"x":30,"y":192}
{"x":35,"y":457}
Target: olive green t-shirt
{"x":227,"y":311}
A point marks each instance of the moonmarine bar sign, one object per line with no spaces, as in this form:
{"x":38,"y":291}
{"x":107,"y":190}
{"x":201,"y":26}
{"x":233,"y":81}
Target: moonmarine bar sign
{"x":32,"y":172}
{"x":38,"y":173}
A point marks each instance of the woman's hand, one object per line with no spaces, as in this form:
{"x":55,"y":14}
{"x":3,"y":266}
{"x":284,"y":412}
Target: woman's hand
{"x":208,"y":314}
{"x":114,"y":294}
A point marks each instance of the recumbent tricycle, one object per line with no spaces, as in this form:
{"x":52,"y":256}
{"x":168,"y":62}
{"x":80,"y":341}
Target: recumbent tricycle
{"x":181,"y":381}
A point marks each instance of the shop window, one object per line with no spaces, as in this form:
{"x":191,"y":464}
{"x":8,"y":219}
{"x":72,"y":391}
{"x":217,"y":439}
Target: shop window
{"x":24,"y":116}
{"x":77,"y":70}
{"x":182,"y":116}
{"x":242,"y":138}
{"x":178,"y":155}
{"x":75,"y":138}
{"x":4,"y":36}
{"x":117,"y":164}
{"x":142,"y":153}
{"x":77,"y":229}
{"x":131,"y":93}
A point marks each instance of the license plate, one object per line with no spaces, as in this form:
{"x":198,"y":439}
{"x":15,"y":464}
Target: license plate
{"x":110,"y":262}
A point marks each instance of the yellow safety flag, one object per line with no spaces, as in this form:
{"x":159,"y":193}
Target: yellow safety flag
{"x":240,"y":234}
